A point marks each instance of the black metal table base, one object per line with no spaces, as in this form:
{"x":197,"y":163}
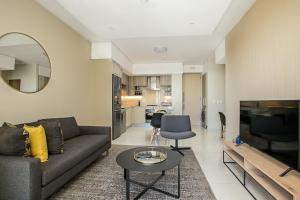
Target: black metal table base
{"x":150,"y":186}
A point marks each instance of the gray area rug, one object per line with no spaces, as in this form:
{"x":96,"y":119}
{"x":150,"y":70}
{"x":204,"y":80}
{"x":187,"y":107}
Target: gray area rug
{"x":104,"y":180}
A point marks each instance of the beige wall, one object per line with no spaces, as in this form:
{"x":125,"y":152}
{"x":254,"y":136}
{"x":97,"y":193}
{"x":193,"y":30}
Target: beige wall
{"x":78,"y":87}
{"x":177,"y":94}
{"x":101,"y":91}
{"x":215,"y":93}
{"x":150,"y":97}
{"x":192,"y":96}
{"x":263,"y":57}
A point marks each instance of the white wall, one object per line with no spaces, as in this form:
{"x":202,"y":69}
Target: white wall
{"x":177,"y":93}
{"x":101,"y":50}
{"x":157,"y":69}
{"x":215,"y":93}
{"x":7,"y":63}
{"x":193,"y":69}
{"x":220,"y":54}
{"x":28,"y":75}
{"x":121,"y":58}
{"x":107,"y":50}
{"x":44,"y":71}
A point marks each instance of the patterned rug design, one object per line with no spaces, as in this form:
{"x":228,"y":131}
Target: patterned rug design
{"x":103,"y":180}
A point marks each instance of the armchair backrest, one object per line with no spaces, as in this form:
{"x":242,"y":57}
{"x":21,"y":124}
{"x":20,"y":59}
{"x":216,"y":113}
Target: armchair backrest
{"x":176,"y":123}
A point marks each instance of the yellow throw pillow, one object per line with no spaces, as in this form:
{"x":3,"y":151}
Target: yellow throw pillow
{"x":38,"y":142}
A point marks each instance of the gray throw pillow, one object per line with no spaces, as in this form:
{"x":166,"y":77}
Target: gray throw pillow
{"x":69,"y":126}
{"x":55,"y":140}
{"x":10,"y":125}
{"x":12,"y":141}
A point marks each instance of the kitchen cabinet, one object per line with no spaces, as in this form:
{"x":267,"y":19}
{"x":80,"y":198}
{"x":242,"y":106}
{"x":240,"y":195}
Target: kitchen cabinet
{"x":138,"y":115}
{"x":125,"y":85}
{"x":128,"y":117}
{"x":165,"y":80}
{"x":135,"y":115}
{"x":140,"y":81}
{"x":125,"y":79}
{"x":136,"y":83}
{"x":131,"y":86}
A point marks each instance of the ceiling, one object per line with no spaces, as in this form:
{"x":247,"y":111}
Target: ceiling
{"x":188,"y":50}
{"x":24,"y":49}
{"x":190,"y":29}
{"x":26,"y":54}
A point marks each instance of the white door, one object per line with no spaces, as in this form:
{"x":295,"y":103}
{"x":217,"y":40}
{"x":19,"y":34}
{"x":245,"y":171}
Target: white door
{"x":192,"y":92}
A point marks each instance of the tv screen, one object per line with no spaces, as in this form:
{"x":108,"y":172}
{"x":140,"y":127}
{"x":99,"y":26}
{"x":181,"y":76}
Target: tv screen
{"x":273,"y":128}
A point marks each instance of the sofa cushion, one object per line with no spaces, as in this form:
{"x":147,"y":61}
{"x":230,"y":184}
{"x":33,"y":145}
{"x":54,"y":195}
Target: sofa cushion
{"x":55,"y":140}
{"x":12,"y":141}
{"x":75,"y":150}
{"x":10,"y":125}
{"x":28,"y":124}
{"x":27,"y":140}
{"x":38,"y":142}
{"x":69,"y":126}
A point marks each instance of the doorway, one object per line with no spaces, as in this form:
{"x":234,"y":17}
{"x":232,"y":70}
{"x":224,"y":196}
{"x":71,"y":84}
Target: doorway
{"x":192,"y":96}
{"x":15,"y":83}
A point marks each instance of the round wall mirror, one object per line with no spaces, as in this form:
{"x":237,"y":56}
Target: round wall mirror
{"x":24,"y":64}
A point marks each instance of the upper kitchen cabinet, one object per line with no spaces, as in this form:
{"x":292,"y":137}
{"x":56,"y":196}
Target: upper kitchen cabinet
{"x":125,"y":80}
{"x":140,"y":81}
{"x":125,"y":86}
{"x":130,"y":86}
{"x":165,"y":80}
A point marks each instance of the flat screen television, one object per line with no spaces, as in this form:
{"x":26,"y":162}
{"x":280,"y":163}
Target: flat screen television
{"x":273,"y":128}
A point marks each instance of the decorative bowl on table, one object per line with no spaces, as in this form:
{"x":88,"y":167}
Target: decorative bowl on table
{"x":150,"y":155}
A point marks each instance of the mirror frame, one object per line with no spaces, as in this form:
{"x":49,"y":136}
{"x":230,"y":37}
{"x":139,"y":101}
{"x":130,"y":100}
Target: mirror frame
{"x":45,"y":54}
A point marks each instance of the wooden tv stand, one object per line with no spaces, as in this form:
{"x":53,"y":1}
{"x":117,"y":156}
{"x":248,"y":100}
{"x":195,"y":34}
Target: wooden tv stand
{"x":265,"y":170}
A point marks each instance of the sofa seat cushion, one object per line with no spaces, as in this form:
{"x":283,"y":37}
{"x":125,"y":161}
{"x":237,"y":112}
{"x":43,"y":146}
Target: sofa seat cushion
{"x":75,"y":150}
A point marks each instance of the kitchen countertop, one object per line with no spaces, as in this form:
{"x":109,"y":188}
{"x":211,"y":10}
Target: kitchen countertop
{"x":127,"y":107}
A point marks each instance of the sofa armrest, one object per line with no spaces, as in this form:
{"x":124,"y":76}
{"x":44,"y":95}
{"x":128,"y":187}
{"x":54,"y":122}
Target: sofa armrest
{"x":21,"y":178}
{"x":95,"y":130}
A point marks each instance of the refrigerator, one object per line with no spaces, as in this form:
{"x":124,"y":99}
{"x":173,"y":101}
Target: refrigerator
{"x":116,"y":106}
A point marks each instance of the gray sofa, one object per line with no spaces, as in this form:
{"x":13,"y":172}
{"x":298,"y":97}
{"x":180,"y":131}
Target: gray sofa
{"x":27,"y":179}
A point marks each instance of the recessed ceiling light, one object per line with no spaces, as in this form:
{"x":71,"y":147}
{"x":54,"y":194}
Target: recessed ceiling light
{"x":160,"y":49}
{"x":192,"y":23}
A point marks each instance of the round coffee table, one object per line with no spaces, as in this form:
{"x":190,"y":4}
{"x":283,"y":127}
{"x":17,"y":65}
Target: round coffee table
{"x":127,"y":162}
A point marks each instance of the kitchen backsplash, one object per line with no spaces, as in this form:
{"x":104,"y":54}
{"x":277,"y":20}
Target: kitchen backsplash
{"x":149,"y":97}
{"x":130,"y":101}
